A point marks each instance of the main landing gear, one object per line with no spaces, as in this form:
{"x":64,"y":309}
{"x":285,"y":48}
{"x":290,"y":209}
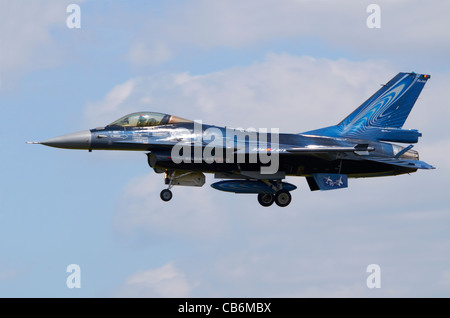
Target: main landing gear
{"x":282,"y":198}
{"x":279,"y":193}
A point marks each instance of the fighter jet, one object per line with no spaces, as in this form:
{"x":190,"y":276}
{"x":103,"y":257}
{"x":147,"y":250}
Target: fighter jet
{"x":364,"y":144}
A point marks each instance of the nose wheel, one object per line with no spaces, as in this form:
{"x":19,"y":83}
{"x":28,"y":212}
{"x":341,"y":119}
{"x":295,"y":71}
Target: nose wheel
{"x":166,"y":195}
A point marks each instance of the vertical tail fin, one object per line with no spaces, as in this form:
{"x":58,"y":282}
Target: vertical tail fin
{"x":382,"y":116}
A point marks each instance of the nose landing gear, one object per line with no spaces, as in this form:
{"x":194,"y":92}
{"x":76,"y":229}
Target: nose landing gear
{"x":180,"y":178}
{"x":166,"y":195}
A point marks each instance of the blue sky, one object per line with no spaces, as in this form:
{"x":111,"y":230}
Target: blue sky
{"x":292,"y":65}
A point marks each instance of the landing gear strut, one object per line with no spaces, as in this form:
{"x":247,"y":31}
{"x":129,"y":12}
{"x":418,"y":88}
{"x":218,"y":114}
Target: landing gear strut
{"x":166,"y":194}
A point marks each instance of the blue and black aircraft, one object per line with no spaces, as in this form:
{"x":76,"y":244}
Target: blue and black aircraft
{"x":364,"y":144}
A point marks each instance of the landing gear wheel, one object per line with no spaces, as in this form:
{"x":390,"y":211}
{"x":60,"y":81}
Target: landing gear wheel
{"x":166,"y":195}
{"x":283,"y":198}
{"x":265,"y":199}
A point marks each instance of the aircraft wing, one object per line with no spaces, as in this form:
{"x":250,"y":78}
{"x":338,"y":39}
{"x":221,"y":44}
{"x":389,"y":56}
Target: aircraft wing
{"x":408,"y":163}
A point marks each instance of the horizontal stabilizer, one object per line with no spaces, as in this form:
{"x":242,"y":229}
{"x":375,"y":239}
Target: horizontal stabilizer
{"x":407,"y":163}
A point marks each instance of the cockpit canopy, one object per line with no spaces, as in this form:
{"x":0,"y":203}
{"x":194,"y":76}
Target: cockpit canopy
{"x":147,"y":119}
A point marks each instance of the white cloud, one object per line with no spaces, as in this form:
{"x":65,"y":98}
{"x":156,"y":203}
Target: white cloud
{"x":140,"y":54}
{"x":141,"y":210}
{"x":319,"y":246}
{"x":6,"y":274}
{"x":108,"y":110}
{"x":409,"y":29}
{"x":165,"y":281}
{"x":288,"y":92}
{"x":446,"y":278}
{"x":25,"y":35}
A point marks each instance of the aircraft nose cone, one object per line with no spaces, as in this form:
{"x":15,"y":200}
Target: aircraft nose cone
{"x":78,"y":140}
